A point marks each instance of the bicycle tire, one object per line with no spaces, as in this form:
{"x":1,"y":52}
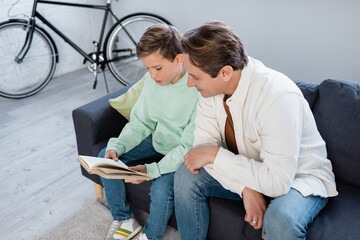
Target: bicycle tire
{"x":124,"y":65}
{"x":20,"y":80}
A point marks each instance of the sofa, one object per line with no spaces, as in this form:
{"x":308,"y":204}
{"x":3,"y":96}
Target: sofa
{"x":336,"y":108}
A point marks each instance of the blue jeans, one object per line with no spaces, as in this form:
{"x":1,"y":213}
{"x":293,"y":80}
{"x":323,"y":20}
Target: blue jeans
{"x":161,"y":193}
{"x":286,"y":217}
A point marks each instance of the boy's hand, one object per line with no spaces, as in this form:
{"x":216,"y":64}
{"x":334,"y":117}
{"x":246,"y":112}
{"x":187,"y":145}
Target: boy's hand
{"x":198,"y":157}
{"x":138,"y":168}
{"x":111,"y":154}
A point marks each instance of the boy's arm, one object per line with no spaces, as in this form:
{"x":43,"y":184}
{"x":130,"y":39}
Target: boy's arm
{"x":173,"y":159}
{"x":135,"y":131}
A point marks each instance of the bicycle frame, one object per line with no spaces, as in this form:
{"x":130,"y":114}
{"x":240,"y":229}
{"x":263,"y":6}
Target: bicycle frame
{"x":36,"y":14}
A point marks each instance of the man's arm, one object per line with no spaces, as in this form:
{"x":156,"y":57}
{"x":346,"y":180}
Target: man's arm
{"x":207,"y":138}
{"x":207,"y":130}
{"x":280,"y":129}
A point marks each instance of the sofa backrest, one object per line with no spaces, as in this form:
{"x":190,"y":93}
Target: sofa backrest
{"x":309,"y":90}
{"x":337,"y":115}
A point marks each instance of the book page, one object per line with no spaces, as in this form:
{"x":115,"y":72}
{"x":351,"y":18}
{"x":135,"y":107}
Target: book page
{"x":119,"y":175}
{"x":96,"y":161}
{"x":108,"y":168}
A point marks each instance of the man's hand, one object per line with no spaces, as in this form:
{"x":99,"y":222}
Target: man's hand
{"x":198,"y":157}
{"x":111,"y":154}
{"x":255,"y":207}
{"x":138,"y":168}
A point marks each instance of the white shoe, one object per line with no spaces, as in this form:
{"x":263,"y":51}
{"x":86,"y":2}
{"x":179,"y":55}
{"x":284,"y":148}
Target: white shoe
{"x":141,"y":236}
{"x":124,"y":230}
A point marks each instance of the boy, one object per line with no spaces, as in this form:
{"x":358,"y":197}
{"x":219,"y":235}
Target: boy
{"x":161,"y":125}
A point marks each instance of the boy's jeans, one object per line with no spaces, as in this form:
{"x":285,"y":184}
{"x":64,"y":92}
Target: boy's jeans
{"x":161,"y":193}
{"x":286,"y":217}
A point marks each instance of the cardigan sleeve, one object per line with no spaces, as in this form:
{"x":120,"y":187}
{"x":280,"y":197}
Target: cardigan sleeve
{"x":207,"y":130}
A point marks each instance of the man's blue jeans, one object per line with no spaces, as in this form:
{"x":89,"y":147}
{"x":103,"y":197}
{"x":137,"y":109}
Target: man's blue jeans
{"x":161,"y":193}
{"x":286,"y":217}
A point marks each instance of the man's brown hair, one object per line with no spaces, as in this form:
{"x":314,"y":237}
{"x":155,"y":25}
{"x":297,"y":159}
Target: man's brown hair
{"x":160,"y":37}
{"x":213,"y":46}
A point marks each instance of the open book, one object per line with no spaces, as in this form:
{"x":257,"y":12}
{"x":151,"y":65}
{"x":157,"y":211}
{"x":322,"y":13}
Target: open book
{"x":108,"y":168}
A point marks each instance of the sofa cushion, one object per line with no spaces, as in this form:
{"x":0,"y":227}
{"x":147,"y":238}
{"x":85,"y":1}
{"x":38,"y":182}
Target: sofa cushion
{"x":337,"y":115}
{"x":339,"y":218}
{"x":124,"y":103}
{"x":309,"y":90}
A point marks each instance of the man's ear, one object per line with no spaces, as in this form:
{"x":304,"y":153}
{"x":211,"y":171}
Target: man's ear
{"x":179,"y":59}
{"x":226,"y":73}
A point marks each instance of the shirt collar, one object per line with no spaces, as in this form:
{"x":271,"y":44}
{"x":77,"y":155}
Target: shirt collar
{"x":241,"y":91}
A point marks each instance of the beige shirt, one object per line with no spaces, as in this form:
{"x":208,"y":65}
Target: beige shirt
{"x":276,"y":135}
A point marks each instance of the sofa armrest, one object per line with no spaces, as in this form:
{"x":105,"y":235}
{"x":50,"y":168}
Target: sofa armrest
{"x":96,"y":122}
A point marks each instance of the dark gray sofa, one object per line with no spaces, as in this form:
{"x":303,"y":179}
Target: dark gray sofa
{"x":336,"y":107}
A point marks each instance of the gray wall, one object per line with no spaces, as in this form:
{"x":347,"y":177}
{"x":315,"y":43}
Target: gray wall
{"x":305,"y":39}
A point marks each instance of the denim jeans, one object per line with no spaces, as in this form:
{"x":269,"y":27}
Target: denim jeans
{"x":161,"y":193}
{"x":286,"y":217}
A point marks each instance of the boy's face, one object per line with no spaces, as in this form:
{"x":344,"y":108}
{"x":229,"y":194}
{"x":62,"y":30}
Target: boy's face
{"x":204,"y":83}
{"x":162,"y":70}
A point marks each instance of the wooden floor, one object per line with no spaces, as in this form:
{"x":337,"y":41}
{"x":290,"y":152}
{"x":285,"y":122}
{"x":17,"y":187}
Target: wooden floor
{"x":40,"y":179}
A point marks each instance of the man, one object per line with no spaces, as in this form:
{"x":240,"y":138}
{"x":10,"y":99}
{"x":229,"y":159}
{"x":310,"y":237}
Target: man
{"x":254,"y":136}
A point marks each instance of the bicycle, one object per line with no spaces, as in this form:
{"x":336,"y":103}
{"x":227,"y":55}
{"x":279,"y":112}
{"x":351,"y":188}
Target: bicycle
{"x":28,"y":54}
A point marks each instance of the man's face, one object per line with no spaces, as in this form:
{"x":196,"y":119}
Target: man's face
{"x":162,"y":70}
{"x":204,"y":83}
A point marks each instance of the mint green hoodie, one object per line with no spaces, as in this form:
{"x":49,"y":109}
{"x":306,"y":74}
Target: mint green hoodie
{"x":166,"y":112}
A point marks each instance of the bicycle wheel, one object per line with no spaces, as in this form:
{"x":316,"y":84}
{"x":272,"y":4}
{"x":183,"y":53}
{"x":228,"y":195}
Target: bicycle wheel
{"x":121,"y":46}
{"x":29,"y":76}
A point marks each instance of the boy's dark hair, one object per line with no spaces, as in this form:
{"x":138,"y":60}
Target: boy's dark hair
{"x":162,"y":37}
{"x":213,"y":46}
